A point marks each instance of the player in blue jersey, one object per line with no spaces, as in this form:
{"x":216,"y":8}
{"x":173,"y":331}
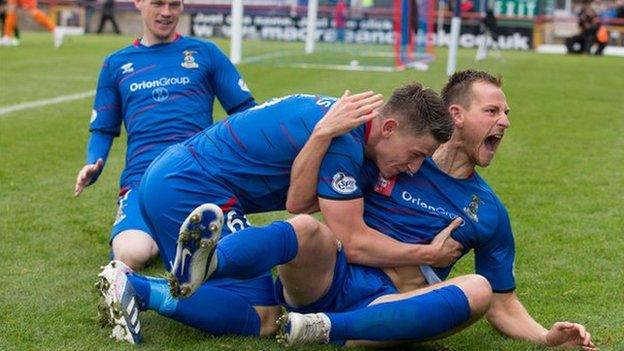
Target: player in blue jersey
{"x":243,"y":165}
{"x":162,"y":88}
{"x":411,"y":208}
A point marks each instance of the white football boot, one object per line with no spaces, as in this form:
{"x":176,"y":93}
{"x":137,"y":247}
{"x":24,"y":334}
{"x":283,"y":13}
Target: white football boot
{"x":302,"y":329}
{"x":198,"y":239}
{"x":119,"y":306}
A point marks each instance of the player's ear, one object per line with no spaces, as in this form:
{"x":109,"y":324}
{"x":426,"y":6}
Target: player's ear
{"x":137,"y":4}
{"x":457,"y":113}
{"x":389,"y":126}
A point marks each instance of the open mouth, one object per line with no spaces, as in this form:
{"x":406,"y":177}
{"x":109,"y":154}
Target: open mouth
{"x":492,"y":141}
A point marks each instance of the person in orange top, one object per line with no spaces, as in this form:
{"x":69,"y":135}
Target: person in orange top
{"x":30,"y":6}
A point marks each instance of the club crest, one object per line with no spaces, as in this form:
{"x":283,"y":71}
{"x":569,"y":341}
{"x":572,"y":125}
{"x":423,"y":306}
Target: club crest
{"x":189,"y":60}
{"x":472,"y":208}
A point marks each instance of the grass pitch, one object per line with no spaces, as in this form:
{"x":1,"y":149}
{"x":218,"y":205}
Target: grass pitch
{"x":559,"y":171}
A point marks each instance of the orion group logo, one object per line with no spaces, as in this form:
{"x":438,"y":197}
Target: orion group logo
{"x":159,"y":83}
{"x":160,"y":94}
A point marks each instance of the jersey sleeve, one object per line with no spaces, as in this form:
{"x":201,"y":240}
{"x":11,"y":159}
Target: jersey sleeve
{"x":341,"y":170}
{"x":105,"y":117}
{"x":494,"y":258}
{"x":227,"y":83}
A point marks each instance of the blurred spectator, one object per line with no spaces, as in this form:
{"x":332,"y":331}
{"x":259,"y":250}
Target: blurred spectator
{"x":89,"y":7}
{"x":340,"y":20}
{"x":587,"y":24}
{"x":489,"y":29}
{"x":108,"y":14}
{"x":619,"y":9}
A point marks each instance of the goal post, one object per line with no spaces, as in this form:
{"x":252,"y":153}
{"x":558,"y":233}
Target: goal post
{"x":333,"y":34}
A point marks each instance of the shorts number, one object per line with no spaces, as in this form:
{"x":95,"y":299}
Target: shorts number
{"x":236,"y":221}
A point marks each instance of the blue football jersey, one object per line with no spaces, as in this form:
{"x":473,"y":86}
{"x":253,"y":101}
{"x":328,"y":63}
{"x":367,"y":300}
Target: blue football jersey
{"x":163,"y":94}
{"x":252,"y":152}
{"x":414,"y":208}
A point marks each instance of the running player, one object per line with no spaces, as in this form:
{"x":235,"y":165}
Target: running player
{"x":30,"y":6}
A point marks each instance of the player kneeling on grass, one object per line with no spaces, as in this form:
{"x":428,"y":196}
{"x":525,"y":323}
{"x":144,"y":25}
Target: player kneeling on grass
{"x":162,"y":88}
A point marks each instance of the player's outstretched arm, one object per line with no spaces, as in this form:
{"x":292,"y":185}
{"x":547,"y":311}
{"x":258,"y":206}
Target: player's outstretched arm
{"x":85,"y":174}
{"x":508,"y":316}
{"x":366,"y":246}
{"x":347,"y":113}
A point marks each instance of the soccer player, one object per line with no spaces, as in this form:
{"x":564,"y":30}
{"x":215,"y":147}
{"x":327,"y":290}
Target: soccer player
{"x":30,"y":6}
{"x":413,"y":207}
{"x":162,"y":87}
{"x":243,"y":165}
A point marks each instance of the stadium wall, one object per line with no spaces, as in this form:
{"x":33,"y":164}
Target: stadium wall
{"x":280,"y":23}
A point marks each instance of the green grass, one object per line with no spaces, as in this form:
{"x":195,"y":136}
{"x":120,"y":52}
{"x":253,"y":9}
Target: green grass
{"x":559,"y":171}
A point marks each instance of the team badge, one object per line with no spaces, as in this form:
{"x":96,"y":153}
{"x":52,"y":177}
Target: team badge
{"x":127,"y":68}
{"x":343,"y":183}
{"x":189,"y":60}
{"x":384,"y":186}
{"x":472,"y":208}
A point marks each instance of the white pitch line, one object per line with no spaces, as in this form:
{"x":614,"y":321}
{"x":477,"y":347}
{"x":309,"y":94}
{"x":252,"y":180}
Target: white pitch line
{"x":38,"y":103}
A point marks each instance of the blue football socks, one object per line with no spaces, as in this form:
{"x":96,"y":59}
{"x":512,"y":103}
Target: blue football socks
{"x":211,"y":309}
{"x":417,"y":318}
{"x":254,"y":251}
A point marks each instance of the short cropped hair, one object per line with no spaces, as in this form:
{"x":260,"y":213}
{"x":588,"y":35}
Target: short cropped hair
{"x":422,"y":109}
{"x":458,"y":89}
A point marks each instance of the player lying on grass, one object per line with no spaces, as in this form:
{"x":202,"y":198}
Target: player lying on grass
{"x":162,"y":87}
{"x":378,"y":307}
{"x":243,"y":165}
{"x":412,"y":207}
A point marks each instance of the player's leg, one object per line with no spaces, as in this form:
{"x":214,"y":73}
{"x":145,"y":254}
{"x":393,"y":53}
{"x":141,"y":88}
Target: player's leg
{"x":9,"y":22}
{"x":219,"y":309}
{"x":301,"y":246}
{"x":38,"y":15}
{"x":423,"y":314}
{"x":172,"y":188}
{"x":130,"y":239}
{"x":475,"y":288}
{"x":44,"y":20}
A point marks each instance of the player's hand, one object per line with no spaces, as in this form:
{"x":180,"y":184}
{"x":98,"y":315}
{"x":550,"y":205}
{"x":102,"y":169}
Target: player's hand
{"x":85,"y":174}
{"x":444,"y":249}
{"x":349,"y":112}
{"x":571,"y":335}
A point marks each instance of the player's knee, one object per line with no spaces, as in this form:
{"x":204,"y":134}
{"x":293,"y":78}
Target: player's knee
{"x":305,"y":226}
{"x":311,"y":233}
{"x":479,"y":293}
{"x":134,"y":249}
